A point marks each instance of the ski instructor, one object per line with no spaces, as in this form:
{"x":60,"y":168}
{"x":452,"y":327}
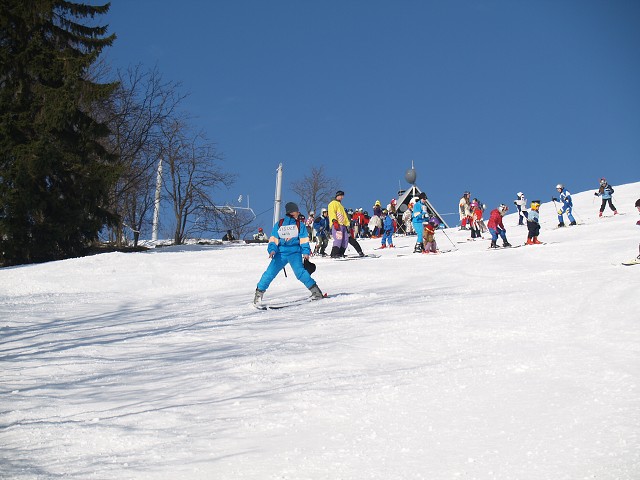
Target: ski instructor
{"x":288,"y":244}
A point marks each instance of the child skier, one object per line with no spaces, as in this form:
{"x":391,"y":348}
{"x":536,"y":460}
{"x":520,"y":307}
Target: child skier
{"x":606,"y":192}
{"x":496,"y":227}
{"x":323,"y":230}
{"x":429,"y":235}
{"x":533,"y":223}
{"x":387,"y":229}
{"x":520,"y":202}
{"x":476,"y":219}
{"x":567,"y":205}
{"x":288,"y":244}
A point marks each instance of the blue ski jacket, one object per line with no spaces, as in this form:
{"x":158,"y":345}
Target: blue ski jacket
{"x":565,"y":198}
{"x":605,"y":191}
{"x":288,"y":237}
{"x":532,"y":216}
{"x":321,"y":226}
{"x":419,"y":213}
{"x":387,"y":224}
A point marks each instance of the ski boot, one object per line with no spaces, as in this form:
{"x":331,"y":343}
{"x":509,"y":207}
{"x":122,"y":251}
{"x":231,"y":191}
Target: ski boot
{"x":506,"y":244}
{"x":573,"y":223}
{"x":494,"y":244}
{"x":316,"y":293}
{"x":383,"y":246}
{"x":257,"y":298}
{"x":615,"y":212}
{"x":536,"y":241}
{"x":561,"y":224}
{"x":417,"y":248}
{"x":599,"y":214}
{"x":529,"y":241}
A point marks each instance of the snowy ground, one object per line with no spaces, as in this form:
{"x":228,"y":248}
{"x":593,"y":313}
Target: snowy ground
{"x":475,"y":364}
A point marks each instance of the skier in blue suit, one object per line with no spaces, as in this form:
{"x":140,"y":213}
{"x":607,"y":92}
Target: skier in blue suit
{"x":567,"y":205}
{"x":418,"y":217}
{"x":288,"y":244}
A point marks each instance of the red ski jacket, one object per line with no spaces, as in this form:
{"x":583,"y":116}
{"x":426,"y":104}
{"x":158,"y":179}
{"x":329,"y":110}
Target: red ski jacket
{"x":495,"y":220}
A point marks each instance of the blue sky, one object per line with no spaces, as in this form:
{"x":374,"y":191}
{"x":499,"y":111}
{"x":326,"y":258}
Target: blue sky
{"x":494,"y":96}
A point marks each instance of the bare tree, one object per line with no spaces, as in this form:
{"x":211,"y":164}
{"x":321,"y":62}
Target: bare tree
{"x":192,"y":175}
{"x":135,"y":114}
{"x":315,"y":189}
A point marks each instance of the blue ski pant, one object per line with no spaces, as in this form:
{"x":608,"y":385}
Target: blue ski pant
{"x":278,"y":262}
{"x":387,"y":237}
{"x":495,"y":232}
{"x":417,"y":226}
{"x":565,"y":209}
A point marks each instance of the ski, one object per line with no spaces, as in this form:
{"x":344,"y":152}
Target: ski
{"x":635,"y":261}
{"x":280,"y":305}
{"x":567,"y":226}
{"x":439,"y":252}
{"x":357,"y":257}
{"x":505,"y":248}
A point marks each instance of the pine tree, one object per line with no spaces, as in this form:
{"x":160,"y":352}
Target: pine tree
{"x":55,"y":174}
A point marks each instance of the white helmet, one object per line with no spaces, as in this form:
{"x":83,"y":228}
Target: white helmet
{"x":503,"y":208}
{"x":520,"y":194}
{"x":560,"y":186}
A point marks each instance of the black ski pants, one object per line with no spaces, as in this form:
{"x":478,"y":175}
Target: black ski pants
{"x":604,"y":203}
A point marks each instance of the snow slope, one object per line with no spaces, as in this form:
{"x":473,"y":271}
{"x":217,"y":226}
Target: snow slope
{"x":476,"y":364}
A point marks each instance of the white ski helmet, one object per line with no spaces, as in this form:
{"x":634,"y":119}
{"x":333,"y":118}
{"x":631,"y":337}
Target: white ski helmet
{"x":503,"y":208}
{"x":560,"y":186}
{"x":520,"y":194}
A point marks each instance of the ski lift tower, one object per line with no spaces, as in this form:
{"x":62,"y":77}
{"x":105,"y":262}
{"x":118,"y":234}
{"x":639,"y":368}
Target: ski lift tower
{"x":278,"y":196}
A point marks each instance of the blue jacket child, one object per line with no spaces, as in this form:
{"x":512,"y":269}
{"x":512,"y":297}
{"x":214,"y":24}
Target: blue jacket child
{"x":606,"y":192}
{"x":321,"y":226}
{"x":288,"y":244}
{"x":387,"y":228}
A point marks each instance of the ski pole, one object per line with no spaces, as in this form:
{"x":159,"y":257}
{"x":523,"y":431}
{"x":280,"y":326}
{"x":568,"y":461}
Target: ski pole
{"x":454,"y":245}
{"x":576,"y":216}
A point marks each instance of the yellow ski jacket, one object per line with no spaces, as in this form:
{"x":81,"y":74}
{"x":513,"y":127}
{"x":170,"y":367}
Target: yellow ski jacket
{"x":337,"y":212}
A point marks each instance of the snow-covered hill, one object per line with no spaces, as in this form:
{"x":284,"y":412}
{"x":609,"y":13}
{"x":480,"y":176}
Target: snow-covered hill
{"x":475,"y":364}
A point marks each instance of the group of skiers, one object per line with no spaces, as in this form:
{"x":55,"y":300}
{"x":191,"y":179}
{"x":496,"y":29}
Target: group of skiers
{"x":289,"y":240}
